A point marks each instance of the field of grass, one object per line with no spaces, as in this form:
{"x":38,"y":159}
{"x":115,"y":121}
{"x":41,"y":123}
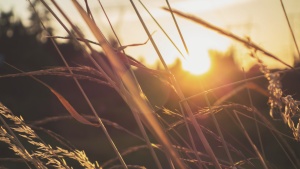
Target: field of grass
{"x":109,"y":110}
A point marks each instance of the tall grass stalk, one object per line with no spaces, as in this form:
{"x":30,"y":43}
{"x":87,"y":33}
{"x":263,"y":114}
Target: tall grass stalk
{"x":133,"y":95}
{"x":137,"y":118}
{"x":116,"y":73}
{"x":79,"y":86}
{"x":180,"y":94}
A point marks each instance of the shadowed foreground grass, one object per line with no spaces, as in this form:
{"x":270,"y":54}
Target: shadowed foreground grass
{"x":126,"y":117}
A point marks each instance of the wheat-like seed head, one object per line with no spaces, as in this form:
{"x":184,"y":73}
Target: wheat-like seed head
{"x":43,"y":151}
{"x":278,"y":102}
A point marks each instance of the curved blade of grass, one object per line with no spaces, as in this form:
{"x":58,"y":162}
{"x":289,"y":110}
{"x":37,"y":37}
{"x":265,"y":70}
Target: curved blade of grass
{"x":105,"y":70}
{"x":139,"y":99}
{"x":63,"y":101}
{"x":128,"y":61}
{"x":71,"y":109}
{"x":228,"y":34}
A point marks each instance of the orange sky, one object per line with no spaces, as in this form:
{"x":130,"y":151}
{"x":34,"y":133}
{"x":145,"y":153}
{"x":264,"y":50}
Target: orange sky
{"x":262,"y":20}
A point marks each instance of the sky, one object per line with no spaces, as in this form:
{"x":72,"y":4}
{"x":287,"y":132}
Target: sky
{"x":261,"y":20}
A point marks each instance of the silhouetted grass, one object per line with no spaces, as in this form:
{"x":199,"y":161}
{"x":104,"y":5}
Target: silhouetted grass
{"x":221,"y":134}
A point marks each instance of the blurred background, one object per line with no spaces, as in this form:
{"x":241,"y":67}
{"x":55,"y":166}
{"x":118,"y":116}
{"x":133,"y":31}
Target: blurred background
{"x":213,"y":61}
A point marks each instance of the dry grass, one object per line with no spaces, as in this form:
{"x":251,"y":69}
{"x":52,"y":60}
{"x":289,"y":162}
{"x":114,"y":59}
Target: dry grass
{"x":181,"y":138}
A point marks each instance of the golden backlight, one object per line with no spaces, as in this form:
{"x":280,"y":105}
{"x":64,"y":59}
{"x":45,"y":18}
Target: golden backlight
{"x":197,"y":64}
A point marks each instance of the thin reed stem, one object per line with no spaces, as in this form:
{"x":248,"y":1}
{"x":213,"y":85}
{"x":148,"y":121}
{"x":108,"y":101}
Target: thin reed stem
{"x":131,"y":90}
{"x":290,"y":27}
{"x":83,"y":92}
{"x":180,"y":94}
{"x":137,"y":118}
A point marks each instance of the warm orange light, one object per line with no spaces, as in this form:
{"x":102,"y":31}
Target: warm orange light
{"x":197,"y":64}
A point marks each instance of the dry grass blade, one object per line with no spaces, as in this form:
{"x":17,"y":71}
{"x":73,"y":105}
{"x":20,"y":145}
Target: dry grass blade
{"x":180,"y":94}
{"x":228,"y":34}
{"x":105,"y":70}
{"x":71,"y":109}
{"x":137,"y":98}
{"x":63,"y":101}
{"x":130,"y":61}
{"x":192,"y":134}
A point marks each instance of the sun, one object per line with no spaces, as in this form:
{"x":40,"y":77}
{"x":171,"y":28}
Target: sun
{"x":197,"y":64}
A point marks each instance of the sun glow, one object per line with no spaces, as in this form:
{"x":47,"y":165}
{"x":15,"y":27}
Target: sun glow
{"x":197,"y":64}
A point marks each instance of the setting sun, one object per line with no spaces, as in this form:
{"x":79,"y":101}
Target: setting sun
{"x":197,"y":64}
